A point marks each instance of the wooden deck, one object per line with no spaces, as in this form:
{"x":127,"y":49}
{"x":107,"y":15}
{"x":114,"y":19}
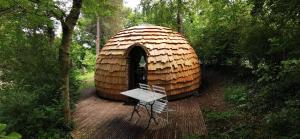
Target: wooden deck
{"x":104,"y":119}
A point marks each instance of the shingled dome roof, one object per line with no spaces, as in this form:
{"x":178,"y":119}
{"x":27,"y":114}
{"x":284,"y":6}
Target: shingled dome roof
{"x":170,"y":62}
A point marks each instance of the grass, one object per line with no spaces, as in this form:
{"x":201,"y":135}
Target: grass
{"x":230,"y":123}
{"x":86,"y":76}
{"x":235,"y":94}
{"x":87,"y":80}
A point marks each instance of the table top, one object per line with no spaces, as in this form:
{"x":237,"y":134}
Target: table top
{"x":144,"y":95}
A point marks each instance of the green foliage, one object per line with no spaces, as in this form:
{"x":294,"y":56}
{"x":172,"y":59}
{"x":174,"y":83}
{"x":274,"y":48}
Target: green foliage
{"x":265,"y":41}
{"x":29,"y":97}
{"x":83,"y":58}
{"x":259,"y":35}
{"x":220,"y":33}
{"x":161,"y":13}
{"x":13,"y":135}
{"x":134,"y":18}
{"x":87,"y":80}
{"x":111,"y":15}
{"x":285,"y":122}
{"x":37,"y":118}
{"x":90,"y":60}
{"x":220,"y":116}
{"x":276,"y":98}
{"x":270,"y":109}
{"x":255,"y":44}
{"x":279,"y":82}
{"x":94,"y":8}
{"x":228,"y":124}
{"x":236,"y":94}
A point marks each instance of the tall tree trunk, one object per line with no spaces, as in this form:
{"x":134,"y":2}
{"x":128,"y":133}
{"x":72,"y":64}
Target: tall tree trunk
{"x":179,"y":17}
{"x":64,"y":57}
{"x":64,"y":62}
{"x":98,"y":36}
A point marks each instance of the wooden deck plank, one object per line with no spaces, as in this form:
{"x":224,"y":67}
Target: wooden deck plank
{"x":99,"y":118}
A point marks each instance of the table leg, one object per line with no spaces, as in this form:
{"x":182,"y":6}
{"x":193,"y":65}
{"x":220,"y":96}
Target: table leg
{"x":135,"y":109}
{"x":147,"y":111}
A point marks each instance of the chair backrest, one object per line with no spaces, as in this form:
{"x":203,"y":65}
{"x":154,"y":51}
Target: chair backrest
{"x":161,"y":104}
{"x":161,"y":90}
{"x":144,"y":86}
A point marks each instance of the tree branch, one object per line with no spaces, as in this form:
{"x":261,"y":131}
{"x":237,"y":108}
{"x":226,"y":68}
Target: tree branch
{"x":58,"y":13}
{"x":72,"y":18}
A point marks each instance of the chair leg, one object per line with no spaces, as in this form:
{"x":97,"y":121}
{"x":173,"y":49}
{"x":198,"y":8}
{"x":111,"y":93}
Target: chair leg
{"x":148,"y":123}
{"x":147,"y":110}
{"x":167,"y":117}
{"x":155,"y":120}
{"x":137,"y":112}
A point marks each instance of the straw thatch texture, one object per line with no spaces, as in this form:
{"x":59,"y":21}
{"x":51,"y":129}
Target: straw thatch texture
{"x":171,"y":61}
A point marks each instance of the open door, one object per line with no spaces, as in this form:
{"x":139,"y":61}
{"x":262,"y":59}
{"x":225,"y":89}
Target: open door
{"x":137,"y":67}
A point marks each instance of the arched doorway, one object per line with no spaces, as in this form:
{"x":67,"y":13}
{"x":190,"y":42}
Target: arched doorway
{"x":137,"y":66}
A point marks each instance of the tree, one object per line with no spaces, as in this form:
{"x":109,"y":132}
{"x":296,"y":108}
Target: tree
{"x":68,"y":23}
{"x":168,"y":13}
{"x":163,"y":13}
{"x":179,"y":16}
{"x":106,"y":16}
{"x":29,"y":69}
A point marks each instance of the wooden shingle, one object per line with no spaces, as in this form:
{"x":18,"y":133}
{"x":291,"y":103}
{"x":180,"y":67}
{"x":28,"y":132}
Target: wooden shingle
{"x":171,"y":61}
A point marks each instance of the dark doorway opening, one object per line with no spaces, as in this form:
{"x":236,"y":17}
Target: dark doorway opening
{"x":137,"y":67}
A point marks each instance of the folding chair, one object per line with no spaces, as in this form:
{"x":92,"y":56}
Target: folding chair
{"x":160,"y":105}
{"x":145,"y":87}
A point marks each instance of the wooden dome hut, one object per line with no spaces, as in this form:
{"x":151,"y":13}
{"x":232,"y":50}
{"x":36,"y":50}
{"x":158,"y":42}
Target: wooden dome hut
{"x":148,"y":54}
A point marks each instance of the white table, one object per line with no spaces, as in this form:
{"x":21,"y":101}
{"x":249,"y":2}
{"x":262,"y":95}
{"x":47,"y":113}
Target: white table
{"x":143,"y":95}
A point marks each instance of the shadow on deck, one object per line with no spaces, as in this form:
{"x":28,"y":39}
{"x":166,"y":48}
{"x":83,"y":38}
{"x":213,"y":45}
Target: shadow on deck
{"x":99,"y":118}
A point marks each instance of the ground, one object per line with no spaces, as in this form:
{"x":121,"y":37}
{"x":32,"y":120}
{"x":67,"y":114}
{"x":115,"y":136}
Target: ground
{"x":96,"y":117}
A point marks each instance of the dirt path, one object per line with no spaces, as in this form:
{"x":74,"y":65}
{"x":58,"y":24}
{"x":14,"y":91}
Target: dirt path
{"x":211,"y":94}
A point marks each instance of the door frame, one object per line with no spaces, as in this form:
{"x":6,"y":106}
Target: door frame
{"x":128,"y":54}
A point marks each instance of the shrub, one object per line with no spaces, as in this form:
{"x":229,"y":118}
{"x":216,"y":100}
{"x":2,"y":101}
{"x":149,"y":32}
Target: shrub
{"x":24,"y":112}
{"x":236,"y":94}
{"x":29,"y":99}
{"x":285,"y":122}
{"x":227,"y":124}
{"x":13,"y":135}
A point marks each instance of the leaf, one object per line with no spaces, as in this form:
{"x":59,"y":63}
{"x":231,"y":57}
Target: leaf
{"x":2,"y":127}
{"x":13,"y":135}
